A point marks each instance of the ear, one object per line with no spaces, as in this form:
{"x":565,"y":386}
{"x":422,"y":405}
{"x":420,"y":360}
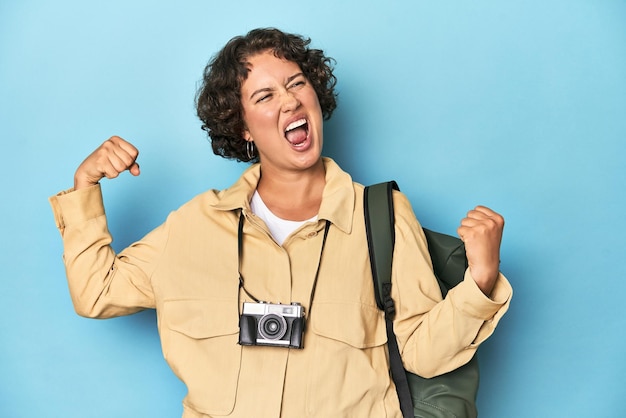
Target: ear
{"x":246,"y":135}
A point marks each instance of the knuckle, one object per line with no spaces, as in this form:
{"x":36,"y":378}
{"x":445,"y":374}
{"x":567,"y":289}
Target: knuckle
{"x":107,"y":145}
{"x":498,"y":221}
{"x":492,"y":225}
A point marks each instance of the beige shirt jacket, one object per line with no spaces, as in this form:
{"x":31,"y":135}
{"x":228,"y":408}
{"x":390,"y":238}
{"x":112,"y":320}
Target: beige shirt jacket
{"x":187,"y":269}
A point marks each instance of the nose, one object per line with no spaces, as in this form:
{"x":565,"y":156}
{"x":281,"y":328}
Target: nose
{"x":290,"y":102}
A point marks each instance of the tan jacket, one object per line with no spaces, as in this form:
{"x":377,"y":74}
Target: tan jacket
{"x":187,"y":269}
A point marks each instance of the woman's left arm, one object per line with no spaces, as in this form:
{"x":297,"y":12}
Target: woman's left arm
{"x":436,"y":336}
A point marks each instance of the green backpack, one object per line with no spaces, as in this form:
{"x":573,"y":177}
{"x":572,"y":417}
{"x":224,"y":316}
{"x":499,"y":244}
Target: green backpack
{"x":451,"y":395}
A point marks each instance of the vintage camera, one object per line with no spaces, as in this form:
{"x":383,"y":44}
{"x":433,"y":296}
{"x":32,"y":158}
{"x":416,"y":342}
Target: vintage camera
{"x":272,"y":324}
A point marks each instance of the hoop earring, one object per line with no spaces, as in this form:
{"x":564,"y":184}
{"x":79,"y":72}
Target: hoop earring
{"x":250,"y":149}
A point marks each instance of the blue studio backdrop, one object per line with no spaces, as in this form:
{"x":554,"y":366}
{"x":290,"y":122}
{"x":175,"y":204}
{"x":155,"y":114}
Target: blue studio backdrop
{"x":517,"y":105}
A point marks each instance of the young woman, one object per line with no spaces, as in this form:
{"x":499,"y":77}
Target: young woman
{"x":289,"y":232}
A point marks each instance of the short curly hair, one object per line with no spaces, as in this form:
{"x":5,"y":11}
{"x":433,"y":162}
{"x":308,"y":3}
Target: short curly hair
{"x":218,"y":100}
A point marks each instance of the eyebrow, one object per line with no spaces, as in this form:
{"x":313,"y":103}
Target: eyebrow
{"x":266,"y":89}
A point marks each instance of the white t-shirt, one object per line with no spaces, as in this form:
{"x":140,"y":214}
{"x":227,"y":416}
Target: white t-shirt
{"x":279,"y":228}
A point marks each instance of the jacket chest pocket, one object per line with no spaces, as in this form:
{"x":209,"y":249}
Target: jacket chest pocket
{"x":351,"y":370}
{"x":199,"y":339}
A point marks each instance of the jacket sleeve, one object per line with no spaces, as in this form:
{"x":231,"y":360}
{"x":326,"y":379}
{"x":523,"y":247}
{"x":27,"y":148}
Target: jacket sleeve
{"x":103,"y":284}
{"x":436,"y":336}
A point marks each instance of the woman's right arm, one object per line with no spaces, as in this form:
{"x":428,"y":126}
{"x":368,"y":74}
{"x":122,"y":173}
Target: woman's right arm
{"x":103,"y":284}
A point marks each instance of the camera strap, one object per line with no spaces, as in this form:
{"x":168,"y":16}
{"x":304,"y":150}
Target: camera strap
{"x":240,"y":257}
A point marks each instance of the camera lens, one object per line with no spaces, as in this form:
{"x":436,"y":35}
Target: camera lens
{"x":272,"y":327}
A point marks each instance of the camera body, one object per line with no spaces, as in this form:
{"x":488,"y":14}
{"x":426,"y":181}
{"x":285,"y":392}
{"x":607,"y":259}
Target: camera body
{"x":272,"y":324}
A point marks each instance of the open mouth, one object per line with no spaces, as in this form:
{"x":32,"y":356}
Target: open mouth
{"x":297,"y":132}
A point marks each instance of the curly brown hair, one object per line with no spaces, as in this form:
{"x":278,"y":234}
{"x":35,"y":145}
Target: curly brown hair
{"x":218,"y":101}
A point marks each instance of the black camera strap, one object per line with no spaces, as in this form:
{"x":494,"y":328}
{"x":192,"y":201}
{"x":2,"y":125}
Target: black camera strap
{"x":319,"y":263}
{"x":240,"y":256}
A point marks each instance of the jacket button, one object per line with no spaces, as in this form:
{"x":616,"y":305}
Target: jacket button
{"x":311,"y":234}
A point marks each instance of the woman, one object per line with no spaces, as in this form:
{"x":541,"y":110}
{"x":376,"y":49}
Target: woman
{"x":290,"y":232}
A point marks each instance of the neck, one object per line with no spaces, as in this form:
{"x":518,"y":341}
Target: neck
{"x":294,"y":196}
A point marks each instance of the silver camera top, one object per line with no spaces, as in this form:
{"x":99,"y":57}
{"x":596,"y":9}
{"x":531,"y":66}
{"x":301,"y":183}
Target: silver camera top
{"x":264,"y":308}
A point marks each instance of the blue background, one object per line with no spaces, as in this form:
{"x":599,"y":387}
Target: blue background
{"x":518,"y":105}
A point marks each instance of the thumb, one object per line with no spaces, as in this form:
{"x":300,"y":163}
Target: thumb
{"x":134,"y":169}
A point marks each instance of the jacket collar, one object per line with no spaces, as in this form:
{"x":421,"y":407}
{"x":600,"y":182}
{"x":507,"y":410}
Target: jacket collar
{"x":338,"y":198}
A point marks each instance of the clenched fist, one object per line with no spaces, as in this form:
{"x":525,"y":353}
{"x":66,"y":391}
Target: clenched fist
{"x":114,"y":156}
{"x":481,"y":231}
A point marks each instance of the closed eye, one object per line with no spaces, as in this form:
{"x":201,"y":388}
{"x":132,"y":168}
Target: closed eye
{"x":264,"y":98}
{"x":298,"y":83}
{"x":261,"y":95}
{"x":296,"y":80}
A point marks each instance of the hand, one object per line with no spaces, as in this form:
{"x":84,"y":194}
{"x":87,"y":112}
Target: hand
{"x":111,"y":158}
{"x":481,"y":231}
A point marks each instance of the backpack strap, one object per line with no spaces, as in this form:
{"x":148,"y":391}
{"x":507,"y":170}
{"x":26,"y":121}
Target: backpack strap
{"x":379,"y":226}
